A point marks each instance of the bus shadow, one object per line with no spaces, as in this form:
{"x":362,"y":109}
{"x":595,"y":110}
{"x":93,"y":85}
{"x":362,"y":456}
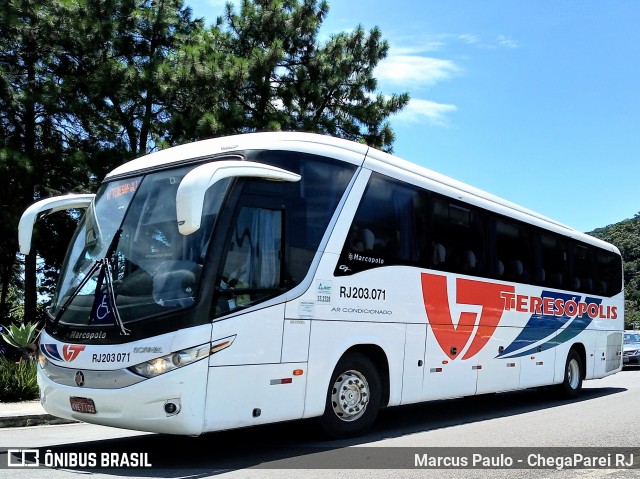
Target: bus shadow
{"x":301,"y":444}
{"x":434,"y":415}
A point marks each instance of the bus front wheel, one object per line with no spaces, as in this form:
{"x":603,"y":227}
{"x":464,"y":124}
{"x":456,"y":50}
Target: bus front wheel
{"x":353,"y":397}
{"x":572,"y":384}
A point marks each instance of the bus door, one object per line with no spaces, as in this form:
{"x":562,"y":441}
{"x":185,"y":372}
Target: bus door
{"x":252,"y":273}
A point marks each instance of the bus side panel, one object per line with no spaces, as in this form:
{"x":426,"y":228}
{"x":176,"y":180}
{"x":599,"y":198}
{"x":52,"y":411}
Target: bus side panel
{"x":295,"y":340}
{"x":538,"y":367}
{"x":258,"y":337}
{"x":331,"y":339}
{"x":614,"y":352}
{"x":248,"y":395}
{"x":498,"y":374}
{"x":445,"y":377}
{"x":413,"y":374}
{"x":608,"y":355}
{"x":608,"y":340}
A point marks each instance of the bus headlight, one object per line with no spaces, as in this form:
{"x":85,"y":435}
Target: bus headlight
{"x":164,"y":364}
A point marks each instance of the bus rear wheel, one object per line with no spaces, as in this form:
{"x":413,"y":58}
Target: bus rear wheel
{"x":572,"y":384}
{"x":353,"y":397}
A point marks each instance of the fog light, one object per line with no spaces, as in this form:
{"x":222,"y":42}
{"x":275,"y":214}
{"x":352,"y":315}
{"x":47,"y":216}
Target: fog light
{"x":171,"y":408}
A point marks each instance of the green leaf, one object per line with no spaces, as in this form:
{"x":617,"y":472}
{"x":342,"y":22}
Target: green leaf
{"x":21,"y":337}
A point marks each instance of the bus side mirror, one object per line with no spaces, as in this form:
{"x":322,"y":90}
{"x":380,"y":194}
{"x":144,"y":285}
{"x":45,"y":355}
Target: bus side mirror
{"x":43,"y":208}
{"x":193,"y":187}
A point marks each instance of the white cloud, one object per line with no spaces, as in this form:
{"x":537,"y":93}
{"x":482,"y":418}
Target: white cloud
{"x":421,"y":111}
{"x":412,"y":71}
{"x":469,"y":38}
{"x":507,"y":42}
{"x":415,"y":49}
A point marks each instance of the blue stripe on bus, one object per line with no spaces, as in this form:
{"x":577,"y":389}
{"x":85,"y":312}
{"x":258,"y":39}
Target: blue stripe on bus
{"x":541,"y":326}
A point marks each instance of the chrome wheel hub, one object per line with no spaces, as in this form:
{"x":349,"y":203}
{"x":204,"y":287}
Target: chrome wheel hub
{"x":350,"y":395}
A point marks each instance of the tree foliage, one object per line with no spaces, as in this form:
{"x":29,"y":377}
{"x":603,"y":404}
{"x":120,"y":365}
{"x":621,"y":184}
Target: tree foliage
{"x":35,"y":155}
{"x":87,"y":85}
{"x":266,"y":69}
{"x":626,"y":236}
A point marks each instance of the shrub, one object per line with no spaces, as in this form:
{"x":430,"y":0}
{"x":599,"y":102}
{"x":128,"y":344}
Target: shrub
{"x":22,"y":337}
{"x":18,"y":380}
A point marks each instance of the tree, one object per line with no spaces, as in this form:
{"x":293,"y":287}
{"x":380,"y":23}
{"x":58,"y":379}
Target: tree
{"x":33,"y":162}
{"x":266,"y":70}
{"x":81,"y":93}
{"x":119,"y":81}
{"x":86,"y":86}
{"x":626,"y":236}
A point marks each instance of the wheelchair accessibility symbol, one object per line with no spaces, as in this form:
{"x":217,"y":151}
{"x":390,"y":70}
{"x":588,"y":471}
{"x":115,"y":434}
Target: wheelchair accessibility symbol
{"x":103,"y":310}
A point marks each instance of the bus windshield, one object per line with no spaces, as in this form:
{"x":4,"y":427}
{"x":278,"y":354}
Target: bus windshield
{"x":153,"y":268}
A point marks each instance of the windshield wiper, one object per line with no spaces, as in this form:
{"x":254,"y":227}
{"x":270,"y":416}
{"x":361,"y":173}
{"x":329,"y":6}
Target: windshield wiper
{"x":103,"y":267}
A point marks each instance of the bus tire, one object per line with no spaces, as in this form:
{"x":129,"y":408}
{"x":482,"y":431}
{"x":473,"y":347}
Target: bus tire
{"x":571,"y":386}
{"x":353,"y":397}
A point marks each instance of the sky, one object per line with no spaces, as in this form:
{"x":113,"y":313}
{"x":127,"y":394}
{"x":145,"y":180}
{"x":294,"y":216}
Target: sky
{"x":536,"y":101}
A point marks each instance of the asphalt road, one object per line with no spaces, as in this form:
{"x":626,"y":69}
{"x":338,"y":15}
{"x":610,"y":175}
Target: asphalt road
{"x":509,"y":426}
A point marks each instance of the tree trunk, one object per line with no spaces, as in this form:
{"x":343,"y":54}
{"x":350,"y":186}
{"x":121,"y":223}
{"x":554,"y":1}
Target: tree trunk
{"x":30,"y":136}
{"x":30,"y":289}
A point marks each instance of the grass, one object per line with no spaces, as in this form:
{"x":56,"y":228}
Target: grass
{"x":18,"y":380}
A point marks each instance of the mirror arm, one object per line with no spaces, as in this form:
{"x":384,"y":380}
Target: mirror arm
{"x":193,"y":187}
{"x":47,"y":206}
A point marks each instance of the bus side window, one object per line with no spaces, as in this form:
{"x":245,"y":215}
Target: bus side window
{"x":609,"y":271}
{"x":361,"y":239}
{"x":511,"y":248}
{"x":458,"y":237}
{"x":386,"y":229}
{"x":551,"y":259}
{"x":252,"y":268}
{"x":582,"y":265}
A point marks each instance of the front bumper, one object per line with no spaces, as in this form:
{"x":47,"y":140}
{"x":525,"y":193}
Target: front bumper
{"x":140,"y":406}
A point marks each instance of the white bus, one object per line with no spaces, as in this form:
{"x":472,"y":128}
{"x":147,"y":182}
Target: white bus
{"x":277,"y":276}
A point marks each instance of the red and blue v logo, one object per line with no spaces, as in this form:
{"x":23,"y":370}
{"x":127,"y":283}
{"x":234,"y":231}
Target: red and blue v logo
{"x":452,"y":337}
{"x":551,"y":312}
{"x":69,"y":351}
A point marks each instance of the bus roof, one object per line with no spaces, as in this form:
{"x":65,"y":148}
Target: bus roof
{"x":296,"y":141}
{"x":345,"y":150}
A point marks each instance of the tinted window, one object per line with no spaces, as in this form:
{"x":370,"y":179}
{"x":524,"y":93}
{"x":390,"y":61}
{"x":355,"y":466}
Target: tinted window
{"x":609,"y":273}
{"x":457,"y":237}
{"x":387,"y":228}
{"x":278,"y":228}
{"x":511,"y":251}
{"x":252,"y":269}
{"x":552,"y":261}
{"x":312,"y":201}
{"x":582,"y":268}
{"x":399,"y":224}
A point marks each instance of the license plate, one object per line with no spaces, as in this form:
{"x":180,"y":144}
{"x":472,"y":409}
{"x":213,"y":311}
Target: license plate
{"x":625,"y":360}
{"x":84,"y":405}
